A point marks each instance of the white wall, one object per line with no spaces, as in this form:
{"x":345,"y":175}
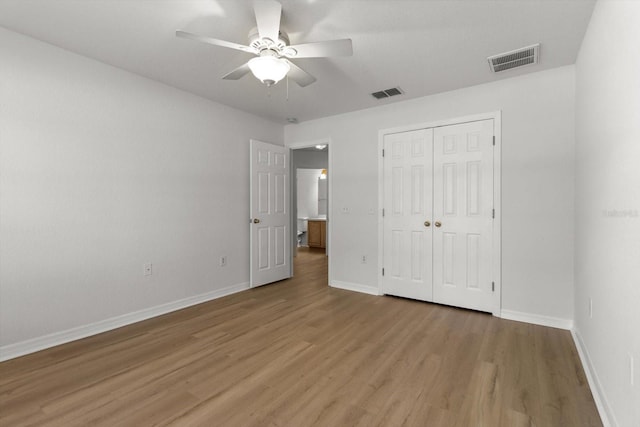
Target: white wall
{"x":607,"y":267}
{"x":307,"y":191}
{"x":307,"y":159}
{"x":101,"y":172}
{"x":537,"y":183}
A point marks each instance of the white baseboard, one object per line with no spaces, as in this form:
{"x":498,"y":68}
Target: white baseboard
{"x":604,"y":409}
{"x":536,"y":319}
{"x":356,"y":287}
{"x":22,"y":348}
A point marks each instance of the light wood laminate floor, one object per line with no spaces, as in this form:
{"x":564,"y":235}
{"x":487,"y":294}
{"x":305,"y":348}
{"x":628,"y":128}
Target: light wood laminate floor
{"x":299,"y":353}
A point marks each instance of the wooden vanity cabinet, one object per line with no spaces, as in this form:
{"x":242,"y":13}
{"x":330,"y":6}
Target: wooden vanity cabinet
{"x":317,"y":234}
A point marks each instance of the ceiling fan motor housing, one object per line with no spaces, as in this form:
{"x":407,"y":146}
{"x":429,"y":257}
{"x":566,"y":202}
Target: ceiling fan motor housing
{"x":280,"y":46}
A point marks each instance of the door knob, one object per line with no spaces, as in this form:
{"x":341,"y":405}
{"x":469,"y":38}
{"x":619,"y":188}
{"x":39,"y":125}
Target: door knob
{"x":256,"y":221}
{"x":427,"y":223}
{"x":438,"y":223}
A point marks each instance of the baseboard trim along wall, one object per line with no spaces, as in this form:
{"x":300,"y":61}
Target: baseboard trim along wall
{"x":356,"y":287}
{"x":12,"y":351}
{"x":536,"y":319}
{"x":604,"y":409}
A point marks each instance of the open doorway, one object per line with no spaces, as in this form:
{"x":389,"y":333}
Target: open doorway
{"x":310,"y":200}
{"x":311,"y":207}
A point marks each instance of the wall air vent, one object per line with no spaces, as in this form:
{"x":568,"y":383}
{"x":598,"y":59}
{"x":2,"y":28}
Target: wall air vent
{"x":387,"y":93}
{"x":516,"y":58}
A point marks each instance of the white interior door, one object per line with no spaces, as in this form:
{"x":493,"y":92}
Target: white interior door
{"x":270,"y":221}
{"x":407,"y":214}
{"x":463,"y":215}
{"x":438,"y":215}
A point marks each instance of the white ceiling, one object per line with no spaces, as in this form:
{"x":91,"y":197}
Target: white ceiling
{"x":424,"y":47}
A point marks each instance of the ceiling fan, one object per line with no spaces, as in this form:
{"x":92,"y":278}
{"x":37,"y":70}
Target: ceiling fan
{"x":271,"y":45}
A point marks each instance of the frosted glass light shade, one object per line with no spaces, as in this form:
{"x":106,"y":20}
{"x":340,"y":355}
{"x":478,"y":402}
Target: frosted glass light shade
{"x":269,"y":69}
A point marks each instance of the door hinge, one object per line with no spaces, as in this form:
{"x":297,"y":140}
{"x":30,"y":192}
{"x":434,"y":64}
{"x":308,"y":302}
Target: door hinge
{"x":383,"y":271}
{"x":382,"y":211}
{"x":493,"y":213}
{"x":383,"y":152}
{"x":494,"y":140}
{"x":493,"y":286}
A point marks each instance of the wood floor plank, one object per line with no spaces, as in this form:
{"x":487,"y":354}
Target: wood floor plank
{"x":300,"y":353}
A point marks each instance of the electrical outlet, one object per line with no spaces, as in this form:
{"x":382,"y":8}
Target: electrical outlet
{"x":631,"y":370}
{"x":148,"y":269}
{"x":590,"y":308}
{"x":364,"y":259}
{"x":345,"y":210}
{"x":223,"y":261}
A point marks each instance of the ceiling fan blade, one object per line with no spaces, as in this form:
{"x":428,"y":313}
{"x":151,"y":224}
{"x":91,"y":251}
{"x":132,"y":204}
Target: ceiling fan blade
{"x":216,"y":42}
{"x":342,"y":47}
{"x":238,"y":73}
{"x":299,"y":75}
{"x":268,"y":13}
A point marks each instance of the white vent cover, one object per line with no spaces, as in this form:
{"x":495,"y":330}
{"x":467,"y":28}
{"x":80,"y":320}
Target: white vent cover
{"x":516,"y":58}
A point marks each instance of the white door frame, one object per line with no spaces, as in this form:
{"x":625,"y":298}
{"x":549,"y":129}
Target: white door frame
{"x":307,"y":144}
{"x":497,"y":179}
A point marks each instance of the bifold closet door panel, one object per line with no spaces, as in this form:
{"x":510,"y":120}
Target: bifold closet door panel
{"x":463,"y":219}
{"x":407,"y":205}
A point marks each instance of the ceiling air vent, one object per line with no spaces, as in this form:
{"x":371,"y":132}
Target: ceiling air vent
{"x":387,"y":93}
{"x":516,"y":58}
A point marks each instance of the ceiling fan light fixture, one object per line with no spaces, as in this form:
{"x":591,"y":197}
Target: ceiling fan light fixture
{"x":269,"y":69}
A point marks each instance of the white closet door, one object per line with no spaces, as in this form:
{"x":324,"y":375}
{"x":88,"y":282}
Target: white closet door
{"x":407,"y":214}
{"x":463,"y":220}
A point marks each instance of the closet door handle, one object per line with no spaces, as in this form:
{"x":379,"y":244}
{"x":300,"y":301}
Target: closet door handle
{"x":256,"y":221}
{"x":438,"y":223}
{"x":427,"y":223}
